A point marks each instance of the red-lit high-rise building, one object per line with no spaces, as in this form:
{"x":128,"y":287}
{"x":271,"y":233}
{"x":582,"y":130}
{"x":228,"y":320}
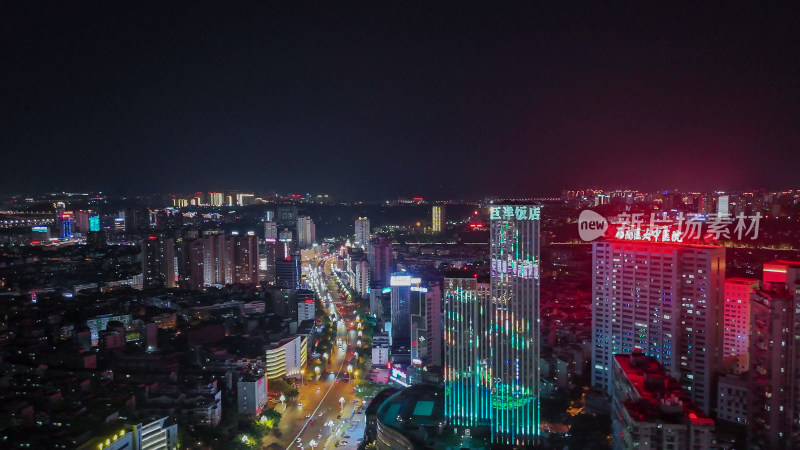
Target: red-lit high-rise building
{"x":665,"y":300}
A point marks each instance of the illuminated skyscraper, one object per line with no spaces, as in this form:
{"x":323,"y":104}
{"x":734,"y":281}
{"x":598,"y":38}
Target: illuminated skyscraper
{"x":514,"y":318}
{"x":467,"y":378}
{"x":400,"y":337}
{"x":664,"y":299}
{"x":65,"y":225}
{"x":362,"y":232}
{"x":438,"y":219}
{"x":94,"y":223}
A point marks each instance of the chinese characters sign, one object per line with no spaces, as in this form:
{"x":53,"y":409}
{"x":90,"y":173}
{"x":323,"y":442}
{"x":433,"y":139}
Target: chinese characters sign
{"x":689,"y":229}
{"x":512,"y":212}
{"x":518,"y":268}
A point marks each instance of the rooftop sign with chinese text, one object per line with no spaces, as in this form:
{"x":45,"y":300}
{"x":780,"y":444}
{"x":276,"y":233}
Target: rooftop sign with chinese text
{"x":514,"y":212}
{"x":691,"y":229}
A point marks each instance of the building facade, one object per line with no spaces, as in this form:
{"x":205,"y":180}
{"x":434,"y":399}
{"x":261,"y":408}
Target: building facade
{"x":251,"y":394}
{"x":380,"y":257}
{"x":362,"y":234}
{"x":286,"y":357}
{"x":306,"y":232}
{"x":438,"y":219}
{"x":514,"y":314}
{"x":736,"y":324}
{"x":400,"y":336}
{"x":467,"y":380}
{"x":664,"y":300}
{"x":774,"y":375}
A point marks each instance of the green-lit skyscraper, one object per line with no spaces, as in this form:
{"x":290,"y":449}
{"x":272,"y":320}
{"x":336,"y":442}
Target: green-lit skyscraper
{"x":514,"y":339}
{"x":491,"y":338}
{"x":467,"y":384}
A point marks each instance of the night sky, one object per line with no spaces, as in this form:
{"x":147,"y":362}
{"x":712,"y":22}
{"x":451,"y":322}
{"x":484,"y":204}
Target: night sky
{"x":382,"y":99}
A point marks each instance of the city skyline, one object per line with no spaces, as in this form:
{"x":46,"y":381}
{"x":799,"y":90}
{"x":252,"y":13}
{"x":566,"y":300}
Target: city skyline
{"x":381,"y":226}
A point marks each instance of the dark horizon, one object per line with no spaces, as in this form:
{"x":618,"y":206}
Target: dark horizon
{"x":381,"y":101}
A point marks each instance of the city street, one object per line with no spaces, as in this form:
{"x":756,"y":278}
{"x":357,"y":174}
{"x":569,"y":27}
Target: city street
{"x":325,"y":411}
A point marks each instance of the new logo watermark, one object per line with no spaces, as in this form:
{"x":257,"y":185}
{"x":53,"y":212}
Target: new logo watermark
{"x":591,"y":225}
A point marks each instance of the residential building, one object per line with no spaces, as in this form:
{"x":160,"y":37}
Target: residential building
{"x":664,"y":299}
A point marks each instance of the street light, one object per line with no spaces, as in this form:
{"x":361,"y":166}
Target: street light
{"x":302,"y":377}
{"x":283,"y":401}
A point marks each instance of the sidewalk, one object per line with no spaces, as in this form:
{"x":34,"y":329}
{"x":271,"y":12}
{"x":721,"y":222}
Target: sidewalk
{"x":352,"y":425}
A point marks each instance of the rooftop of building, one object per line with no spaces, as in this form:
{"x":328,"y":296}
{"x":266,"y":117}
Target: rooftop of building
{"x":661,"y":397}
{"x":741,"y":280}
{"x":669,"y":245}
{"x":783,"y":262}
{"x":414,"y":408}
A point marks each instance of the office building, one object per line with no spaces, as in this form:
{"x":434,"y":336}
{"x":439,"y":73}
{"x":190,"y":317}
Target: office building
{"x":286,"y":357}
{"x":648,"y":409}
{"x":287,"y":216}
{"x":285,"y":244}
{"x":514,"y":334}
{"x":665,"y":300}
{"x":438,"y":219}
{"x":774,"y":378}
{"x":135,"y":219}
{"x":736,"y":324}
{"x":287,"y":272}
{"x":305,"y":309}
{"x":306,"y":232}
{"x":251,"y":394}
{"x":426,"y":325}
{"x":65,"y":225}
{"x":467,"y":353}
{"x":270,"y":231}
{"x":362,"y":235}
{"x":400,"y":336}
